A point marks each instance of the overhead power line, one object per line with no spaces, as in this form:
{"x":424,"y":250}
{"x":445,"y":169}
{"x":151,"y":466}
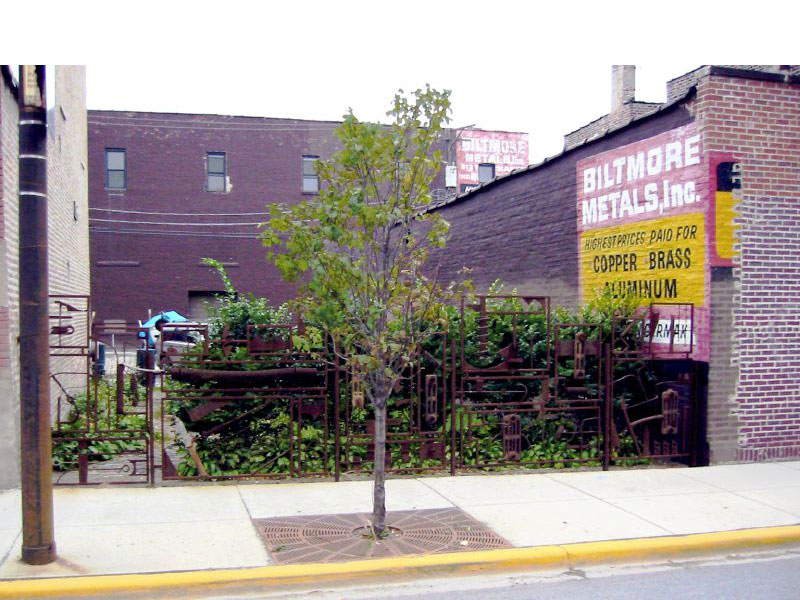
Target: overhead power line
{"x":174,"y":233}
{"x":171,"y":214}
{"x":240,"y":224}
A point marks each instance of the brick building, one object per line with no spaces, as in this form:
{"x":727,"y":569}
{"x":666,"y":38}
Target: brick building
{"x":68,"y":236}
{"x":167,"y":190}
{"x":720,"y":159}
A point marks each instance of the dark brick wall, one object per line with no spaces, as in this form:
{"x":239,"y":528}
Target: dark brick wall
{"x":607,"y":123}
{"x":522,"y":229}
{"x":166,"y":173}
{"x":140,"y":266}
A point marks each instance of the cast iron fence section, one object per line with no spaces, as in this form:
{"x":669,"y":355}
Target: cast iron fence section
{"x":656,"y":391}
{"x":504,"y":401}
{"x":508,"y":387}
{"x":420,"y":417}
{"x":257,"y":389}
{"x":103,"y":431}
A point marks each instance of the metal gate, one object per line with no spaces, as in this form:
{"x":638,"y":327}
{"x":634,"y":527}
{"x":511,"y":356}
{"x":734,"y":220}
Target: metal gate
{"x":103,"y":417}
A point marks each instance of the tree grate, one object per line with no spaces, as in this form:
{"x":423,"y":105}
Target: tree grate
{"x":337,"y":538}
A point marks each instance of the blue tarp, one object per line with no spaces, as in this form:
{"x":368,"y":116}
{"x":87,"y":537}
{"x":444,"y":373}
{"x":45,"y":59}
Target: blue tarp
{"x":170,"y":316}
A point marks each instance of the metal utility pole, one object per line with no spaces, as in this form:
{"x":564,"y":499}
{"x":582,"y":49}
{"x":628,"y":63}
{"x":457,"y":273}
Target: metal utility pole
{"x":38,"y":542}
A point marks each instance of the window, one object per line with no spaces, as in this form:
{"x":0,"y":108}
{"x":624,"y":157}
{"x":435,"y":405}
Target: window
{"x":485,"y":172}
{"x":215,"y":170}
{"x":310,"y":177}
{"x":116,"y":175}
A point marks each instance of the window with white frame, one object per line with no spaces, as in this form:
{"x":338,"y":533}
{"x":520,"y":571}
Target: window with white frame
{"x":116,"y":169}
{"x":310,"y":177}
{"x":216,"y":180}
{"x":485,"y":172}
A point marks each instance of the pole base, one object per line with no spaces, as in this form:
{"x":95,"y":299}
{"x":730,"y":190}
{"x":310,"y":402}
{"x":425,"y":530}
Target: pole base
{"x":39,"y":555}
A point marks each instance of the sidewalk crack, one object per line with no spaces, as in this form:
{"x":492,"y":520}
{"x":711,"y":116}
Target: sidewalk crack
{"x":740,"y":494}
{"x":438,"y":493}
{"x":633,"y":514}
{"x":7,"y":555}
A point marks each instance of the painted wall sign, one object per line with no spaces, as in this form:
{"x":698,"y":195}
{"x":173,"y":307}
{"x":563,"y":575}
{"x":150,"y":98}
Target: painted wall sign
{"x":645,"y":180}
{"x":661,"y":260}
{"x":505,"y":150}
{"x":642,"y":211}
{"x":725,"y":172}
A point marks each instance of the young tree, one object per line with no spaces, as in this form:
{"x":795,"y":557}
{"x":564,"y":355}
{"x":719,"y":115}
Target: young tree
{"x":359,"y":251}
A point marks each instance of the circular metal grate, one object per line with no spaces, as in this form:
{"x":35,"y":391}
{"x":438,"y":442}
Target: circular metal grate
{"x":332,"y":538}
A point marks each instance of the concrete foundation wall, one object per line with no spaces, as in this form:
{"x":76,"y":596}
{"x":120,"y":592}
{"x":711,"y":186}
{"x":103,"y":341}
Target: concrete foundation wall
{"x":723,"y":372}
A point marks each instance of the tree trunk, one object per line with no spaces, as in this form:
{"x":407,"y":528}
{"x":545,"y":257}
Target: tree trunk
{"x":379,"y":469}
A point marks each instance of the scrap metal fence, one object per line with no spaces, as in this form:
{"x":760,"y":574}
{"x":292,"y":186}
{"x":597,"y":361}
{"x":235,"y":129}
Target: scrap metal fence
{"x":508,"y":387}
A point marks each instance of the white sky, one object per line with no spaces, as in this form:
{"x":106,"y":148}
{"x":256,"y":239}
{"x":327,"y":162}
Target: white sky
{"x":539,"y":67}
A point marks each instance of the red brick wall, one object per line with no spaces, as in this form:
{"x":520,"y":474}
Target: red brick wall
{"x":758,"y":121}
{"x":138,"y":265}
{"x":136,"y":268}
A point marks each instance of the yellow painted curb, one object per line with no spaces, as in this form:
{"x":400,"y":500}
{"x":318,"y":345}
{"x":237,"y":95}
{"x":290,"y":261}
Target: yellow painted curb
{"x":283,"y":574}
{"x":563,"y":556}
{"x":665,"y":547}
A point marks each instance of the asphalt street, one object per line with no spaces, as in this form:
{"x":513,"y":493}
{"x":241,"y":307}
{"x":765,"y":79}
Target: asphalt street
{"x":776,"y":580}
{"x":775,"y":576}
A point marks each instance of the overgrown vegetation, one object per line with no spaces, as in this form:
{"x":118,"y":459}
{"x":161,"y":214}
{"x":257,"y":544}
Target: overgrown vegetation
{"x":87,"y":417}
{"x":261,"y":444}
{"x":235,"y":311}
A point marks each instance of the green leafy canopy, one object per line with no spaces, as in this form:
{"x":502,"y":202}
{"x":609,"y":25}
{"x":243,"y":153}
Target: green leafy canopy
{"x":360,"y":249}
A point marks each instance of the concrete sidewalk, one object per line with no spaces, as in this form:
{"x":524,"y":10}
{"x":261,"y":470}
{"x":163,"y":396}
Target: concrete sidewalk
{"x":127,"y":530}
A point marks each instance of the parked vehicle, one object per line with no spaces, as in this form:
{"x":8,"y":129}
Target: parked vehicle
{"x":169,"y":333}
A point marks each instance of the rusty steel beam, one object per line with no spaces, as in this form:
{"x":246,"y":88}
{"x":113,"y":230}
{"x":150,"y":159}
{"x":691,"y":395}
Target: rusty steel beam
{"x":38,"y":541}
{"x":256,"y":377}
